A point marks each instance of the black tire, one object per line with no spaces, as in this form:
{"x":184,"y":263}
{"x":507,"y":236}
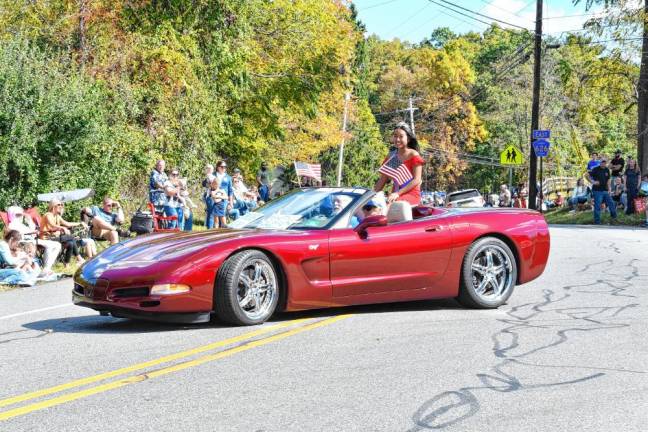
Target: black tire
{"x":475,"y":291}
{"x":234,"y":286}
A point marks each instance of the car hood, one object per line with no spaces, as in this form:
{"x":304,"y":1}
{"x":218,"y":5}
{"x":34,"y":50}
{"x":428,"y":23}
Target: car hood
{"x":171,"y":246}
{"x":156,"y":249}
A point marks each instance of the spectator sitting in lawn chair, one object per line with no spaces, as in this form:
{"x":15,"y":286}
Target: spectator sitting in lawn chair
{"x":55,"y":228}
{"x":20,"y":221}
{"x":105,"y":220}
{"x":16,"y":266}
{"x":580,"y":195}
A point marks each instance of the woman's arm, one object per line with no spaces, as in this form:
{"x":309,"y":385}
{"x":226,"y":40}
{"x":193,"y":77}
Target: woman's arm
{"x":380,"y":184}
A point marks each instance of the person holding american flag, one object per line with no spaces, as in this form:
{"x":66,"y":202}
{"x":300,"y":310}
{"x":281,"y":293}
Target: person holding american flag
{"x":403,"y":166}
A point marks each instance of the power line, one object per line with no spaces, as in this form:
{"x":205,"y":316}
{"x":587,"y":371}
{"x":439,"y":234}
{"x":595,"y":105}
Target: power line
{"x":377,"y":5}
{"x":409,"y":18}
{"x":461,"y":13}
{"x":424,"y":23}
{"x":463,"y":20}
{"x":476,"y":13}
{"x":572,"y":16}
{"x":491,"y":3}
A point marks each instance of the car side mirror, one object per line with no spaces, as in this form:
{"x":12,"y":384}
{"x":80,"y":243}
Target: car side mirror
{"x":370,"y":221}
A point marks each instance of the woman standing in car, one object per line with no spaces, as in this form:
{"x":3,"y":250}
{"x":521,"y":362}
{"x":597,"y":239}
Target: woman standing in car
{"x":403,"y":166}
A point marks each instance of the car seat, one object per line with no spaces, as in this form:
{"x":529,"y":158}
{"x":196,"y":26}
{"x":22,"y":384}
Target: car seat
{"x":399,"y":211}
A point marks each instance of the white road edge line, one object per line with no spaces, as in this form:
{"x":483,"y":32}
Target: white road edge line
{"x":36,"y":310}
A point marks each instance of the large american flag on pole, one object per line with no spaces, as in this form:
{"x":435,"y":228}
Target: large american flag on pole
{"x":309,"y":170}
{"x":396,"y":170}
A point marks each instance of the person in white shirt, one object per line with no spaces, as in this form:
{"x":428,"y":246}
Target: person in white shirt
{"x":244,"y":200}
{"x":579,"y":195}
{"x":24,"y":224}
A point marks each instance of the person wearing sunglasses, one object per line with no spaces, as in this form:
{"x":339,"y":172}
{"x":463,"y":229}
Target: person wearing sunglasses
{"x":600,"y":179}
{"x":54,"y":227}
{"x":225,"y":181}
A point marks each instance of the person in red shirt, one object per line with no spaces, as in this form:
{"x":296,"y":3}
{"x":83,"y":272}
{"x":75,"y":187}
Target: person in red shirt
{"x":403,"y":166}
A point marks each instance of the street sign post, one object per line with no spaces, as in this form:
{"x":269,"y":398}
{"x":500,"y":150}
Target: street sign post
{"x":541,"y":134}
{"x":541,"y":147}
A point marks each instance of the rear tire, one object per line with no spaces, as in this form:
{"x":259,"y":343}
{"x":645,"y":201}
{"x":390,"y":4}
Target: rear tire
{"x":488,"y":274}
{"x":247,"y":289}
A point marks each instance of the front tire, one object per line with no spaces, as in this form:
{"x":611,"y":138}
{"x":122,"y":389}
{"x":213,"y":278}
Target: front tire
{"x":488,"y":274}
{"x":247,"y":289}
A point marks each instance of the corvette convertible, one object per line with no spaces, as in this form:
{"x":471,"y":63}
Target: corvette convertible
{"x":317,"y":248}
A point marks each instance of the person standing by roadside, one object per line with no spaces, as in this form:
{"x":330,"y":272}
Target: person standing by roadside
{"x":264,"y":181}
{"x":600,"y":178}
{"x":217,"y":205}
{"x":593,"y":162}
{"x":157,"y":182}
{"x":173,"y":204}
{"x":225,"y":182}
{"x":616,"y":165}
{"x":504,"y":196}
{"x":632,"y":180}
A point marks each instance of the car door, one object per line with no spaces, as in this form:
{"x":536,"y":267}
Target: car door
{"x":398,"y":257}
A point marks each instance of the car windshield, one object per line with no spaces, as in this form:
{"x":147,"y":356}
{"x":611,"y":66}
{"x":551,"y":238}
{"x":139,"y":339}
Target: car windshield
{"x":303,"y":208}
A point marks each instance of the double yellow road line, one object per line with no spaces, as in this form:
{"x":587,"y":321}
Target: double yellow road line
{"x":100,"y":388}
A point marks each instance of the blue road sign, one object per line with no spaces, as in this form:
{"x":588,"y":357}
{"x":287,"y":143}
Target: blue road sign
{"x":541,"y":134}
{"x":541,"y":147}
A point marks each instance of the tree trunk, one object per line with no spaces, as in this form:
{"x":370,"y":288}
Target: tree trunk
{"x":83,"y":12}
{"x":642,"y":108}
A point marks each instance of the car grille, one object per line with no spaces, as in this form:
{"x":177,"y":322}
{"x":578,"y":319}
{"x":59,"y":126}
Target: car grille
{"x":130,"y":292}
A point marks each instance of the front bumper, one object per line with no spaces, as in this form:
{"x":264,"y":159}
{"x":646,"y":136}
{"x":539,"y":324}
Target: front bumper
{"x":135,"y":303}
{"x":166,"y":317}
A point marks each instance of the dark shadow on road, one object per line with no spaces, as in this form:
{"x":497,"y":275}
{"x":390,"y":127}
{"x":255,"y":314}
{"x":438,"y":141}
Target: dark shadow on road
{"x":107,"y":324}
{"x":412,"y":306}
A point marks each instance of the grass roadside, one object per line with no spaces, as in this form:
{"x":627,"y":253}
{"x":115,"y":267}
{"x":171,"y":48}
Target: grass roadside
{"x":563,"y":216}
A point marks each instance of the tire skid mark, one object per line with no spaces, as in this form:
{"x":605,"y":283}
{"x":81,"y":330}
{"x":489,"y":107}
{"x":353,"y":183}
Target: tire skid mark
{"x":451,"y":407}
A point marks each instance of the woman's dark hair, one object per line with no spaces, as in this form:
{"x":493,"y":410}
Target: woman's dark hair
{"x":412,"y":142}
{"x":12,"y":235}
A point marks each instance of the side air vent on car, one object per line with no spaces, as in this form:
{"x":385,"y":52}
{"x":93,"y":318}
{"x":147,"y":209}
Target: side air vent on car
{"x":78,"y":289}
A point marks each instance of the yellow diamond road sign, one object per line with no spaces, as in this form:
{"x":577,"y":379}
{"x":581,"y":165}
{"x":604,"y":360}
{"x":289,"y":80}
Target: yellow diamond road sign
{"x":511,"y":156}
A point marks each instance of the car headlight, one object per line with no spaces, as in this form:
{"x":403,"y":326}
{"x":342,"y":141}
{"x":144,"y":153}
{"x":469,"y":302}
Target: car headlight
{"x":169,"y":289}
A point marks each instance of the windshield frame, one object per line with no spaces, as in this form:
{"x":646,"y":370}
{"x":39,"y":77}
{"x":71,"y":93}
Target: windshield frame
{"x":357,"y":195}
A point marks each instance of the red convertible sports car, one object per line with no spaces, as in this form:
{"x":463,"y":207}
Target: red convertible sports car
{"x":317,"y":248}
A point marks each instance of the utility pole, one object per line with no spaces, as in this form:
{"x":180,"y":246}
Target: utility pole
{"x":535,"y":107}
{"x":347,"y":97}
{"x":411,"y":110}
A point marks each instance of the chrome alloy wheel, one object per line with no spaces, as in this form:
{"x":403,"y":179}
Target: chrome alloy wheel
{"x":492,"y":273}
{"x":257,"y":288}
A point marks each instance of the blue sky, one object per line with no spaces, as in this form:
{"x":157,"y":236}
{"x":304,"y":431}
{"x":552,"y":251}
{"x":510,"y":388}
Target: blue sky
{"x":412,"y":20}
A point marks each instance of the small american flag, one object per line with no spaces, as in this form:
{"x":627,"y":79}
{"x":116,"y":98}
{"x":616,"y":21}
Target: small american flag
{"x":396,"y":170}
{"x":309,"y":170}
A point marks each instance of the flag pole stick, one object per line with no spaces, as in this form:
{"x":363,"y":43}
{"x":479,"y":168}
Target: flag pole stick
{"x":298,"y":179}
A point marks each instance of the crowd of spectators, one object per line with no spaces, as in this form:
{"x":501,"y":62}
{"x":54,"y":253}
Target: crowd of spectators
{"x":31,"y":243}
{"x":613,"y":185}
{"x":226,"y":197}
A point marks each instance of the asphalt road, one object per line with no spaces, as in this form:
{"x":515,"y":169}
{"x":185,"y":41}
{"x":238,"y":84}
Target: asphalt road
{"x":569,"y":352}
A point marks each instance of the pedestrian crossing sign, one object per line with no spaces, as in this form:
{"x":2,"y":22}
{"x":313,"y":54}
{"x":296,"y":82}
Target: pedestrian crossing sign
{"x":511,"y":156}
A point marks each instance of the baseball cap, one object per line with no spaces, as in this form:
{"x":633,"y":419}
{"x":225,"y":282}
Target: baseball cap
{"x":369,"y":205}
{"x":617,"y":151}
